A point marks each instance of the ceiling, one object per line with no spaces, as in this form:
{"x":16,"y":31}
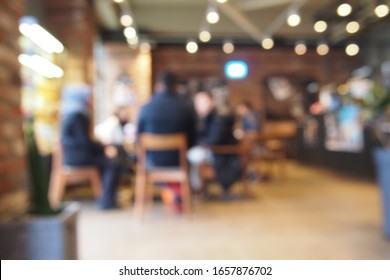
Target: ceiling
{"x":245,"y":21}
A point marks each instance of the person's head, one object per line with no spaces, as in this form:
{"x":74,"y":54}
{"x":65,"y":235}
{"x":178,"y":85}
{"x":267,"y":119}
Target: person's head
{"x":122,"y":113}
{"x":203,"y":103}
{"x":243,"y":108}
{"x":166,"y":81}
{"x":76,"y":98}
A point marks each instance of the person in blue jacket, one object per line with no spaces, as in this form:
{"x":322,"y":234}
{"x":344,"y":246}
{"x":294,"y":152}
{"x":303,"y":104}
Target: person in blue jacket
{"x":78,"y":146}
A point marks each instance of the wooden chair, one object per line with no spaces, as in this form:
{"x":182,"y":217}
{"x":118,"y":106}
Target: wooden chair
{"x":63,"y":175}
{"x":274,"y":152}
{"x":146,"y":176}
{"x":241,"y":150}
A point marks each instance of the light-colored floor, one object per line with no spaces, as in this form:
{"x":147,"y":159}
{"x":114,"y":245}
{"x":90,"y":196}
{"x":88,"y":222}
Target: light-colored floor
{"x":313,"y":214}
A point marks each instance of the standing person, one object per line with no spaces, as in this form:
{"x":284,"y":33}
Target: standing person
{"x":80,"y":149}
{"x":167,"y":113}
{"x":215,"y":128}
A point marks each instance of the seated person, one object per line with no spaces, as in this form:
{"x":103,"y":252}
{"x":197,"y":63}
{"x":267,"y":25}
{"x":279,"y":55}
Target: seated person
{"x":215,"y":128}
{"x":117,"y":131}
{"x":247,"y":118}
{"x":79,"y":149}
{"x":167,"y":113}
{"x":248,"y":129}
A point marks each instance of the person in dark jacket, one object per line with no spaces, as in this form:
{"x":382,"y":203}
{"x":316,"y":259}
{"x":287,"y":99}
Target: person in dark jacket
{"x":215,"y":128}
{"x":167,"y":113}
{"x":80,"y":150}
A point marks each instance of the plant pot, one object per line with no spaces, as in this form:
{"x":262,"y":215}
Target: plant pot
{"x":41,"y":237}
{"x":382,"y":163}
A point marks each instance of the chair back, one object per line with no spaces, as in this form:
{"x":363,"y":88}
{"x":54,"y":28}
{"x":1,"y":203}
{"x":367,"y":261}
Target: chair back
{"x":162,"y":142}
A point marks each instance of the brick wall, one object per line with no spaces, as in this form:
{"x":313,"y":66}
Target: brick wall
{"x":72,"y":22}
{"x":13,"y":175}
{"x":210,"y":61}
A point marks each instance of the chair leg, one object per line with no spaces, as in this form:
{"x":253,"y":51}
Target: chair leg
{"x":56,"y":191}
{"x":186,"y":197}
{"x":149,"y":187}
{"x":140,"y":191}
{"x":96,"y":184}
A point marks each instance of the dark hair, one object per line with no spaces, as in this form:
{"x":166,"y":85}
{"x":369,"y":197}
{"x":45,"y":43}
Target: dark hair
{"x":168,"y":79}
{"x":246,"y":103}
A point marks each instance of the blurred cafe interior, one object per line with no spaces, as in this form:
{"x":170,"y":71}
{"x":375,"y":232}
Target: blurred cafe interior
{"x":302,"y":86}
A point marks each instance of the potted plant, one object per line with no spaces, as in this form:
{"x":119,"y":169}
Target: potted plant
{"x":42,"y":233}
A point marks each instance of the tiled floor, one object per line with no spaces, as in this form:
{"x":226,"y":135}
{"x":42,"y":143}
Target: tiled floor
{"x":313,"y":214}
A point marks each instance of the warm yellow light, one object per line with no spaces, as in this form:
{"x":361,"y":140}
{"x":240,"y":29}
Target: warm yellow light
{"x":320,"y":26}
{"x":352,"y":49}
{"x":145,"y":47}
{"x":133,"y":40}
{"x":222,"y":1}
{"x":267,"y":43}
{"x":352,"y":27}
{"x":130,"y":32}
{"x":204,"y":36}
{"x":322,"y":49}
{"x":300,"y":49}
{"x":344,"y":9}
{"x":342,"y":89}
{"x":192,"y":47}
{"x":294,"y":20}
{"x":228,"y":47}
{"x":382,"y":10}
{"x":126,"y":20}
{"x":118,"y":1}
{"x":212,"y":17}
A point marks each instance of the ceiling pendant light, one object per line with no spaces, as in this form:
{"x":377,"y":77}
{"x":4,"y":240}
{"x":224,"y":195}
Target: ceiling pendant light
{"x":222,"y":1}
{"x":293,"y":19}
{"x":381,"y":10}
{"x":300,"y":48}
{"x":320,"y":26}
{"x":212,"y":14}
{"x":126,"y":20}
{"x":344,"y":9}
{"x":145,"y":47}
{"x":352,"y":27}
{"x":267,"y":43}
{"x":130,"y":32}
{"x":228,"y":46}
{"x":352,"y":49}
{"x":204,"y":36}
{"x":192,"y":46}
{"x":322,"y":49}
{"x":133,"y":41}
